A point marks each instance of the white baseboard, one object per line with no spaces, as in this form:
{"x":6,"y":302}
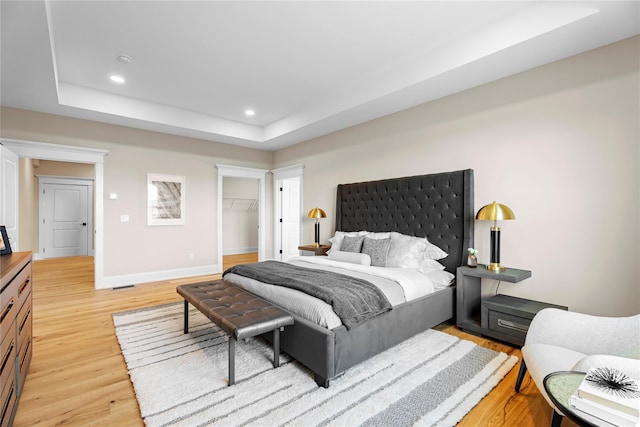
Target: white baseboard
{"x":154,"y":276}
{"x":37,"y":255}
{"x":239,"y":251}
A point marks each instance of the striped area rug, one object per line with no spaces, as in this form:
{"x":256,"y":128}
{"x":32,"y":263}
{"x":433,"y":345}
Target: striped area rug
{"x":432,"y":379}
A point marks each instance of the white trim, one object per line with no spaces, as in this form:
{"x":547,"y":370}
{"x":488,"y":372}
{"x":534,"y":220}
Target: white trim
{"x":156,"y":276}
{"x":240,"y":251}
{"x":279,"y":175}
{"x":66,"y":153}
{"x":75,"y":180}
{"x":288,"y":172}
{"x":242,"y":172}
{"x":45,"y":151}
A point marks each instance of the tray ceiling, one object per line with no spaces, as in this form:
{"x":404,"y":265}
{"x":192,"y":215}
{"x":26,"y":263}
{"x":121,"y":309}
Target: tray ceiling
{"x":305,"y":68}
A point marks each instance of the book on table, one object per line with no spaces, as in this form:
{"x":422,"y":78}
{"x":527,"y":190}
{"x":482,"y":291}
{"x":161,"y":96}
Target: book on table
{"x":609,"y":395}
{"x":611,"y":417}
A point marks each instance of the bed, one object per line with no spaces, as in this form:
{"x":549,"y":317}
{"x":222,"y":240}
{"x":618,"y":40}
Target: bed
{"x":436,"y":206}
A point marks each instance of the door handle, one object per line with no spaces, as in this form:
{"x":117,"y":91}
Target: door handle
{"x":84,"y":224}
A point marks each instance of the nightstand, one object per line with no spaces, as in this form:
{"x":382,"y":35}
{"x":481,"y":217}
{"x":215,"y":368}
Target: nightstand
{"x":502,"y":317}
{"x":317,"y":250}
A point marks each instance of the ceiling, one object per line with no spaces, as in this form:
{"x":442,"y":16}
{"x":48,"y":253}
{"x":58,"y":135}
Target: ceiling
{"x":307,"y":68}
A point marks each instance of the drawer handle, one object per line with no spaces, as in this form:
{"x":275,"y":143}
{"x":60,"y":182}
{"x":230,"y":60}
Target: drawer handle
{"x":24,"y":357}
{"x":24,"y":320}
{"x":5,"y":358}
{"x":6,"y":311}
{"x":5,"y":408}
{"x":24,"y":285}
{"x":511,"y":325}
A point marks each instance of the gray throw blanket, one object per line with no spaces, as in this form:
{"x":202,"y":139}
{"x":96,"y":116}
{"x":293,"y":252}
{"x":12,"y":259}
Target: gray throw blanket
{"x":353,"y":300}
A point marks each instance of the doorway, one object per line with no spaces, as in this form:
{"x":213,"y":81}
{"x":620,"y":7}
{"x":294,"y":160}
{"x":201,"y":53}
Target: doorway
{"x":240,"y":172}
{"x":240,"y":216}
{"x":66,"y":217}
{"x":65,"y":153}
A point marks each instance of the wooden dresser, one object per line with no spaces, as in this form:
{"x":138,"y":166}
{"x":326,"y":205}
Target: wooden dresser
{"x":16,"y":336}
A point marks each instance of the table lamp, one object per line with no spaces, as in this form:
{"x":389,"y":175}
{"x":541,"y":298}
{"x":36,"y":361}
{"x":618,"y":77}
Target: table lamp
{"x":494,"y":212}
{"x":317,"y":213}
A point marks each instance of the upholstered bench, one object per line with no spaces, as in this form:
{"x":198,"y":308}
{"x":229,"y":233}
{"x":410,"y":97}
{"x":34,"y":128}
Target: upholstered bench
{"x":237,"y":312}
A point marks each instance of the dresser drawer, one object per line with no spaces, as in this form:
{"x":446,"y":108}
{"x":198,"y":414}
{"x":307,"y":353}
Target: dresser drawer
{"x":8,"y":391}
{"x":24,"y":359}
{"x":8,"y":311}
{"x":13,"y":296}
{"x":8,"y":349}
{"x":23,"y":285}
{"x":8,"y":398}
{"x":16,"y":329}
{"x":24,"y":321}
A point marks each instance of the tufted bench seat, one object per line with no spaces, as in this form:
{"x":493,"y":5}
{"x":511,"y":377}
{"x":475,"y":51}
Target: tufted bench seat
{"x":237,"y":312}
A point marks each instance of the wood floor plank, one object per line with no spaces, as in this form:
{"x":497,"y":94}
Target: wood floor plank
{"x":78,"y":376}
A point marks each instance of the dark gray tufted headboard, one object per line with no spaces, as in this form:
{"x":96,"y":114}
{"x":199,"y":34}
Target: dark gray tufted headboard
{"x":437,"y":206}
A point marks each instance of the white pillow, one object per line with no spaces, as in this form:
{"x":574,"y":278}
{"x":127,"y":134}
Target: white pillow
{"x":336,"y":240}
{"x":441,"y":279}
{"x":429,"y":265}
{"x":434,"y":252}
{"x":409,"y":251}
{"x":378,"y":236}
{"x":350,"y":257}
{"x":406,"y":252}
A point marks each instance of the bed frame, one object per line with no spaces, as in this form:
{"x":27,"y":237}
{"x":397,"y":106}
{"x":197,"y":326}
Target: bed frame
{"x":437,"y":206}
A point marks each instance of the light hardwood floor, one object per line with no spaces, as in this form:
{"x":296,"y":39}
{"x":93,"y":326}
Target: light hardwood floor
{"x":78,"y":376}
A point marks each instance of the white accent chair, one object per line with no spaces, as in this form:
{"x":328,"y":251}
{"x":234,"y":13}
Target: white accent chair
{"x":559,"y":340}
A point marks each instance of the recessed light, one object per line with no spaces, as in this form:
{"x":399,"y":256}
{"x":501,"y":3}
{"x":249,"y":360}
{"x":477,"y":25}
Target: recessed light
{"x":249,"y":112}
{"x":125,"y":59}
{"x":117,"y":79}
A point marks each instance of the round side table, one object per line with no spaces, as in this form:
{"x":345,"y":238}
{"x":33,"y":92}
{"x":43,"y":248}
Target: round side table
{"x":559,"y":387}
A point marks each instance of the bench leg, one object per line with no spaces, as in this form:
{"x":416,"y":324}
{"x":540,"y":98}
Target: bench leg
{"x":186,"y":316}
{"x":276,"y":347}
{"x":232,"y":361}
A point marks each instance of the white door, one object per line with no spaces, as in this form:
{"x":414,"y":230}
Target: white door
{"x":9,"y":195}
{"x":290,"y":217}
{"x":65,"y":221}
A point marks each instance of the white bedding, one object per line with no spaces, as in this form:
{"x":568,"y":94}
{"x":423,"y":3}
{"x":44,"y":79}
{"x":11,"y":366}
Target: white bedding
{"x":398,"y":284}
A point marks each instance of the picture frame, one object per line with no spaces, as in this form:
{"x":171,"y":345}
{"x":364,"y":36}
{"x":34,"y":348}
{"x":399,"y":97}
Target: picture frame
{"x":165,"y":199}
{"x":5,"y":245}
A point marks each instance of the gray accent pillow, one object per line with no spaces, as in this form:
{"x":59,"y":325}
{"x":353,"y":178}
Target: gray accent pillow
{"x":377,"y":249}
{"x":351,"y":243}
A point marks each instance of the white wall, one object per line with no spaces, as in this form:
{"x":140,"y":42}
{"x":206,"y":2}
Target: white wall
{"x":557,"y":144}
{"x":135,"y":252}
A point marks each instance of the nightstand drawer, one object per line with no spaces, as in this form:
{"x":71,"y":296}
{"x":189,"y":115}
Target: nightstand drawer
{"x":508,"y":318}
{"x":514,"y":326}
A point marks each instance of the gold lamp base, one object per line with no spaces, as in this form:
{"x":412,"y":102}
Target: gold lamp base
{"x":495,"y":267}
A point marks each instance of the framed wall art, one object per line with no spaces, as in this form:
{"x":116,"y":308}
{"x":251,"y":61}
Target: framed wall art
{"x":165,"y":200}
{"x":5,"y":245}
